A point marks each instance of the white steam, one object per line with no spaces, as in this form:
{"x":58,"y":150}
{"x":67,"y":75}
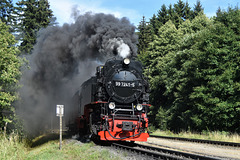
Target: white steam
{"x":122,"y":48}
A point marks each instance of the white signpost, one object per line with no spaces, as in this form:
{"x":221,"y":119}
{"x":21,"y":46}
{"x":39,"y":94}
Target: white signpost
{"x":60,"y":112}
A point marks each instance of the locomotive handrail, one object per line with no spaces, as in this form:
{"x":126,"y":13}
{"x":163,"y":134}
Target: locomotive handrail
{"x":120,"y":109}
{"x":126,"y":110}
{"x":124,"y":118}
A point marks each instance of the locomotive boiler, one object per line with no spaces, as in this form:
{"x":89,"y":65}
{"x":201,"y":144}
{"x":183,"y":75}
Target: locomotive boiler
{"x":113,"y":104}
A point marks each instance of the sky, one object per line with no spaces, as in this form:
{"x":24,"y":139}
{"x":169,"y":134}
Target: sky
{"x":134,"y":10}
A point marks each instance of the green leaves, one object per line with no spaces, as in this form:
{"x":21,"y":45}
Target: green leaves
{"x":6,"y":11}
{"x":9,"y":73}
{"x":194,"y":73}
{"x":34,"y":15}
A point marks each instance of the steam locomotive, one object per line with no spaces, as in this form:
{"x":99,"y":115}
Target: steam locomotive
{"x":113,"y":104}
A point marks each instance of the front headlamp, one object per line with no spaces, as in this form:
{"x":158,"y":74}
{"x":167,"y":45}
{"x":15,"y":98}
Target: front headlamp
{"x":111,"y":105}
{"x":126,"y":61}
{"x":139,"y":107}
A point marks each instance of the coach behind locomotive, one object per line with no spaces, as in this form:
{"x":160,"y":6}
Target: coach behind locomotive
{"x":113,"y":104}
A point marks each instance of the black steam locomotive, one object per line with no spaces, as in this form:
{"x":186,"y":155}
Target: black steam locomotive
{"x":113,"y":104}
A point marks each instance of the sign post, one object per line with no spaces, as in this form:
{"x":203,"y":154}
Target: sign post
{"x":60,"y":112}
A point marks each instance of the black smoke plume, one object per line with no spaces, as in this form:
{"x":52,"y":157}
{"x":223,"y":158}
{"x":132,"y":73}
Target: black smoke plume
{"x":63,"y":58}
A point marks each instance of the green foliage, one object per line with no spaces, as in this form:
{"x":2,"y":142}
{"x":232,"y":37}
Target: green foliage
{"x":7,"y":14}
{"x":144,"y":36}
{"x":11,"y":147}
{"x":10,"y":74}
{"x":164,"y":43}
{"x":230,"y":18}
{"x":33,"y":15}
{"x":162,"y":15}
{"x":147,"y":31}
{"x":197,"y":8}
{"x":194,"y":72}
{"x":177,"y":13}
{"x":205,"y":89}
{"x":6,"y":10}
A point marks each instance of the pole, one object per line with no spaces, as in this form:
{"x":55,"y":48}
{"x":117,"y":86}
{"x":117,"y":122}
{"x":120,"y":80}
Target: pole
{"x":60,"y":143}
{"x":59,"y":112}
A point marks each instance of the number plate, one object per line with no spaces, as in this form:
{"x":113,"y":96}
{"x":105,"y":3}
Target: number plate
{"x":125,"y":84}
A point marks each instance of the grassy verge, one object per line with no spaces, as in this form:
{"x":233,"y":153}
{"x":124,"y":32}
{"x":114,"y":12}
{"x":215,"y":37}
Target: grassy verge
{"x":11,"y":148}
{"x":216,"y":136}
{"x":43,"y":148}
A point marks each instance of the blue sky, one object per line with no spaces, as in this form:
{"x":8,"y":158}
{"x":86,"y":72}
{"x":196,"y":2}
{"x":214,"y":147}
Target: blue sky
{"x":134,"y":10}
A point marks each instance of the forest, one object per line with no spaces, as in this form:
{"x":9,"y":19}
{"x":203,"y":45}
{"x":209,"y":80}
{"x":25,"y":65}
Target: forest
{"x":192,"y":63}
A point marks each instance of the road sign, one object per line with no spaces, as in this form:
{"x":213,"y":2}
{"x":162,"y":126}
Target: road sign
{"x":60,"y":110}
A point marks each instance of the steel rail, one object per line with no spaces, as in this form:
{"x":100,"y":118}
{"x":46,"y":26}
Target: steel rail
{"x":222,"y":143}
{"x":162,"y":153}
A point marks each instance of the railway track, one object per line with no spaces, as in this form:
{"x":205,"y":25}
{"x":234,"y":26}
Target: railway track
{"x":232,"y":144}
{"x":150,"y":152}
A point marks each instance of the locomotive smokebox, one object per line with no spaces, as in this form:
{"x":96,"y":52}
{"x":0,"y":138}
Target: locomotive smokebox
{"x":124,"y":80}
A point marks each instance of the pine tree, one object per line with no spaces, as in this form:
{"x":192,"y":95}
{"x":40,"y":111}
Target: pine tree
{"x":179,"y":8}
{"x":170,"y":12}
{"x":165,"y":43}
{"x":154,"y":23}
{"x":6,"y":10}
{"x":144,"y":36}
{"x":188,"y":13}
{"x":44,"y":13}
{"x":8,"y":14}
{"x":162,"y":15}
{"x":197,"y":8}
{"x":178,"y":17}
{"x":33,"y":16}
{"x":230,"y":18}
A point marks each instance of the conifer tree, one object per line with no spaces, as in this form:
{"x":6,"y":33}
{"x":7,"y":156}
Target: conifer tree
{"x":6,"y":10}
{"x":166,"y":42}
{"x":188,"y":13}
{"x":230,"y":18}
{"x":170,"y":12}
{"x":162,"y":15}
{"x":197,"y":8}
{"x":154,"y":23}
{"x":179,"y":8}
{"x":144,"y":36}
{"x":178,"y":13}
{"x":34,"y":14}
{"x":8,"y":14}
{"x":193,"y":68}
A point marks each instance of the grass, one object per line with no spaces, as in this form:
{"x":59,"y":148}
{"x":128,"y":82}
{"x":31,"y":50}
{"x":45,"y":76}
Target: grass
{"x":215,"y":136}
{"x":47,"y":147}
{"x":11,"y":148}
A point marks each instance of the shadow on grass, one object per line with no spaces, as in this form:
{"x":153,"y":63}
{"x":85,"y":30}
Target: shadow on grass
{"x":40,"y":140}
